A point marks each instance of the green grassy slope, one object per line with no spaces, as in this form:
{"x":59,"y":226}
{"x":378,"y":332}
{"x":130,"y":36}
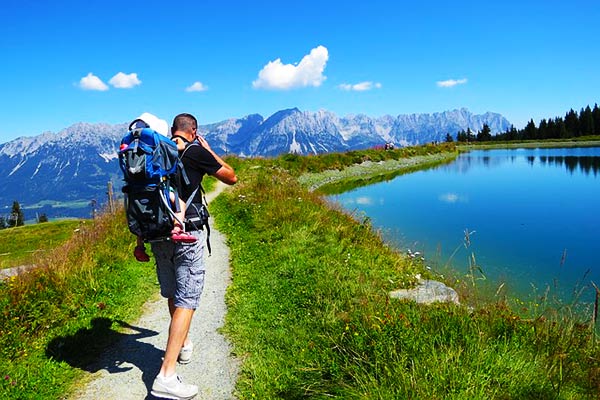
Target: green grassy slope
{"x":57,"y":318}
{"x":24,"y":244}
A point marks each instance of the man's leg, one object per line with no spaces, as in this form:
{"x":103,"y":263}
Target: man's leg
{"x":178,"y":331}
{"x":167,"y":383}
{"x":172,"y":311}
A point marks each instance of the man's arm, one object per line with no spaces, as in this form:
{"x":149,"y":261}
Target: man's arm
{"x":225,"y":174}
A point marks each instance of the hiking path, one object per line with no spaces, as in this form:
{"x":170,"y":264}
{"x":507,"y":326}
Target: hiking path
{"x":127,"y":370}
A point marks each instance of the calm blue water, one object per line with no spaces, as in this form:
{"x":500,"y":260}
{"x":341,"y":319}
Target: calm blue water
{"x":533,"y":215}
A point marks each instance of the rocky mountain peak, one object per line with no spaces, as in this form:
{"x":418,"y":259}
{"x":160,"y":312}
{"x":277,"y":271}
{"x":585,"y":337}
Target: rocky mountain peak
{"x":74,"y":165}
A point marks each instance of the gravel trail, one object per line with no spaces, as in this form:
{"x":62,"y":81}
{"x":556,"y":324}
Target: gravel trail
{"x":128,"y":370}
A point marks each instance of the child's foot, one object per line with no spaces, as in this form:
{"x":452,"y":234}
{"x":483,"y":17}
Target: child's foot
{"x":178,"y":235}
{"x":140,"y":254}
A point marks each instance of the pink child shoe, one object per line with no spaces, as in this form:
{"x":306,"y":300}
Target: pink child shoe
{"x":182,"y":237}
{"x":140,"y":254}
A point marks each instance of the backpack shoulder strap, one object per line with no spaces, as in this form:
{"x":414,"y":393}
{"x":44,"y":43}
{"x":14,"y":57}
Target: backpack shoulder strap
{"x":185,"y":177}
{"x":203,"y":211}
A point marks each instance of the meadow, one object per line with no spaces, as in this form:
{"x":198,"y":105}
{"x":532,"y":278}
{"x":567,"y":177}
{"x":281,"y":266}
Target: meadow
{"x":91,"y":276}
{"x":22,"y":245}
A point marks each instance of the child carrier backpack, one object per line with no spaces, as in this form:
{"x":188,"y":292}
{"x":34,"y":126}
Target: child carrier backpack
{"x":150,"y":165}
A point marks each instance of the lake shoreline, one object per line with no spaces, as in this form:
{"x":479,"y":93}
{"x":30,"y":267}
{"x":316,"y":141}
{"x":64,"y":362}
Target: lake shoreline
{"x":367,"y":170}
{"x":454,"y":214}
{"x":529,"y":145}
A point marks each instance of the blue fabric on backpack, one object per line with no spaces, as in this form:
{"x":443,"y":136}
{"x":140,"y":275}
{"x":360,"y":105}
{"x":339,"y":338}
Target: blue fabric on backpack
{"x":146,"y":155}
{"x":150,"y":164}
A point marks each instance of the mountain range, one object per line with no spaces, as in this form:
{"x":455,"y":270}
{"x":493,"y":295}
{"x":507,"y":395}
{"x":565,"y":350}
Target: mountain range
{"x":62,"y":174}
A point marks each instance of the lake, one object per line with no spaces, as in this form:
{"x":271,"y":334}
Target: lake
{"x":532,"y":215}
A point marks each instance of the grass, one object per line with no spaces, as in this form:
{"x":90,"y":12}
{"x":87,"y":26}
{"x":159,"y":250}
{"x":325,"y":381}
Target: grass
{"x":24,"y":244}
{"x":366,"y":173}
{"x":310,"y":316}
{"x":582,"y":141}
{"x":67,"y":306}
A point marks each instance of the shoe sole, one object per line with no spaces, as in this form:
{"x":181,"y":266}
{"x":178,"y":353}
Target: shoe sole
{"x":186,"y":239}
{"x":183,"y":362}
{"x":165,"y":395}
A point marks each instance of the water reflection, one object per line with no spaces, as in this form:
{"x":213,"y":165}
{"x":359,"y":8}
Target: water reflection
{"x":587,"y":164}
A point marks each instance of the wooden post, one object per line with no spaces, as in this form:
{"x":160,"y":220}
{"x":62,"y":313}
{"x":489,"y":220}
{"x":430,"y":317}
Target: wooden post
{"x":110,"y":197}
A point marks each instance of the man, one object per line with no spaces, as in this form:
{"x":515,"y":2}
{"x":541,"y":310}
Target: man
{"x":180,"y":266}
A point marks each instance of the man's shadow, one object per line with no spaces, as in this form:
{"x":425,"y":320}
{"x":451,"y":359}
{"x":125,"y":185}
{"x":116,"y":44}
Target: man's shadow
{"x":101,"y":347}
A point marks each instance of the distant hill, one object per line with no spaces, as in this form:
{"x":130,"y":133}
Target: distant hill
{"x":61,"y":174}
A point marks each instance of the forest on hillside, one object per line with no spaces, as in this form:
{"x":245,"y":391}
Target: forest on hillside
{"x":572,"y":125}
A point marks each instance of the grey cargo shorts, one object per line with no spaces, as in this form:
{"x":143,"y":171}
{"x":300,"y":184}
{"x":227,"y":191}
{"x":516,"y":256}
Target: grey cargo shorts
{"x":180,"y":269}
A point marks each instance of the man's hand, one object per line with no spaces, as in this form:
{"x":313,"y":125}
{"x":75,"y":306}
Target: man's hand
{"x":204,"y":143}
{"x":180,"y":143}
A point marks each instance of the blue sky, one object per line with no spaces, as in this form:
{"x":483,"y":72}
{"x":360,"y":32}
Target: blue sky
{"x":108,"y":61}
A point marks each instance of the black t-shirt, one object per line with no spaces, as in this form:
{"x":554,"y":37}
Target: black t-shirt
{"x":197,"y":162}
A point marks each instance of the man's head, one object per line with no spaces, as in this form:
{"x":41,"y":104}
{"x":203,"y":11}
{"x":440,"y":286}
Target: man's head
{"x":185,"y":124}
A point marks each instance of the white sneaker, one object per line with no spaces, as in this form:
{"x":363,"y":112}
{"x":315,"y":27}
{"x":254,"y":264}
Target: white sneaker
{"x":185,"y":354}
{"x":173,"y":388}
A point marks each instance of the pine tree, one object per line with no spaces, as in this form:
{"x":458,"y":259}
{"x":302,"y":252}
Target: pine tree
{"x":543,"y":130}
{"x":596,"y":117}
{"x":484,"y":135}
{"x":586,"y":121}
{"x":572,"y":123}
{"x":511,"y":133}
{"x":561,"y":128}
{"x":16,"y":215}
{"x":530,"y":131}
{"x":470,"y":135}
{"x":551,"y":129}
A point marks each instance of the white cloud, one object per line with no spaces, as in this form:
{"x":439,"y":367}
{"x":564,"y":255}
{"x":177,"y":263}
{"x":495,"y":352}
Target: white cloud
{"x":309,"y":72}
{"x":124,"y":81}
{"x":197,"y":87}
{"x":451,"y":82}
{"x":92,"y":82}
{"x":360,"y":87}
